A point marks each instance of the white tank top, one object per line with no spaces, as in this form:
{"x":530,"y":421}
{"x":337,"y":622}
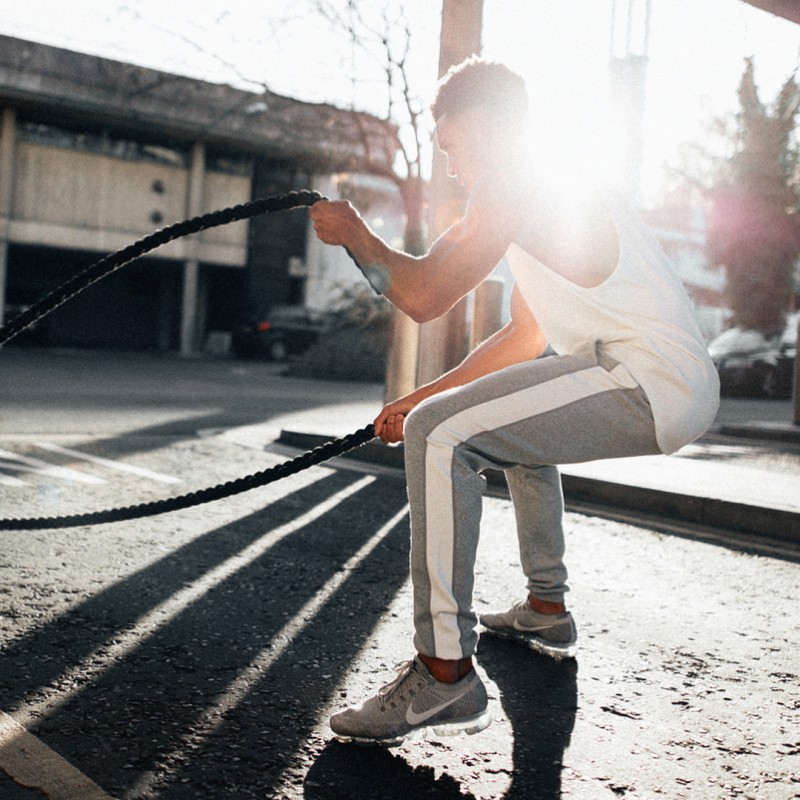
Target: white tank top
{"x":641,"y":316}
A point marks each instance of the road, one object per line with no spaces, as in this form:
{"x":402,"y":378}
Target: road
{"x":198,"y":654}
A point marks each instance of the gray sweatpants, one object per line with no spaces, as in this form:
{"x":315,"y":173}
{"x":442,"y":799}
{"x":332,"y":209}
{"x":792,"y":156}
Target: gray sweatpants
{"x":523,"y":420}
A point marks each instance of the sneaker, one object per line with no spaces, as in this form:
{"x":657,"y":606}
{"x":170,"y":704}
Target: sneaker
{"x":553,"y":635}
{"x":411,"y":703}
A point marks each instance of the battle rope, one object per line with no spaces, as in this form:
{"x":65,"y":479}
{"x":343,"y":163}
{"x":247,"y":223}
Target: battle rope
{"x":109,"y":264}
{"x":114,"y":261}
{"x":319,"y":454}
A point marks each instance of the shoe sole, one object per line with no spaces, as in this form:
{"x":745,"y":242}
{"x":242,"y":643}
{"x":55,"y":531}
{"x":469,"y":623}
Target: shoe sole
{"x":556,"y":650}
{"x":467,"y":725}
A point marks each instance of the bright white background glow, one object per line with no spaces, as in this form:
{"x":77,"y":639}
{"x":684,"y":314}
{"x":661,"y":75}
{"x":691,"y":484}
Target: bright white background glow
{"x":696,"y":54}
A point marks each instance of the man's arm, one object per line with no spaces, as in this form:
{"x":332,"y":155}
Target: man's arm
{"x":520,"y":340}
{"x":423,"y":287}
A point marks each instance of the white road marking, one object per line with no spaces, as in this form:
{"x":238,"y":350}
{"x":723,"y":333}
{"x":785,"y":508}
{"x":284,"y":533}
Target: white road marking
{"x":32,"y":764}
{"x":36,"y":465}
{"x":120,"y":466}
{"x":10,"y":480}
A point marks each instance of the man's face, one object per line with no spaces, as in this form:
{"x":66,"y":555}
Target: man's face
{"x":462,"y":138}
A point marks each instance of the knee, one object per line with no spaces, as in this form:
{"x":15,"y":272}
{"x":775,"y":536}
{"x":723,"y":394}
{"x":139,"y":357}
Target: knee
{"x":428,"y":423}
{"x":419,"y":423}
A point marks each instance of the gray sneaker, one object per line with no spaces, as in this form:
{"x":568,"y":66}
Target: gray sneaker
{"x":411,"y":703}
{"x":551,"y":634}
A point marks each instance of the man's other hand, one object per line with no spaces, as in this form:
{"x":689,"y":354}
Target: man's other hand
{"x":335,"y":221}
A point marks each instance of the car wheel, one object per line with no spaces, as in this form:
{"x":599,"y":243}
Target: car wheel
{"x":277,"y":350}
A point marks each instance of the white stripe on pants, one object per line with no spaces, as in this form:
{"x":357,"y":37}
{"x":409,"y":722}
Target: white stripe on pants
{"x":524,"y":420}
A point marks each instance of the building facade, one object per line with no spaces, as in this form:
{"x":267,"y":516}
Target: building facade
{"x":96,"y":154}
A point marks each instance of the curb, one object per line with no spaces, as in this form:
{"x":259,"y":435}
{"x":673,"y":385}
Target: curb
{"x":767,"y":431}
{"x":772,"y":523}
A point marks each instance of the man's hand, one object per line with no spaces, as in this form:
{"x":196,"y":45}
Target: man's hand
{"x":390,"y":422}
{"x":335,"y":222}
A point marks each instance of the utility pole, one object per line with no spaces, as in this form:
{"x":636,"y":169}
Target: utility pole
{"x":627,"y":66}
{"x":420,"y":353}
{"x":443,"y":343}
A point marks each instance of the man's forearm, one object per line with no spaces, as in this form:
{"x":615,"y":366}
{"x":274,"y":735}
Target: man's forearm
{"x":396,"y":275}
{"x":423,"y":287}
{"x":506,"y":347}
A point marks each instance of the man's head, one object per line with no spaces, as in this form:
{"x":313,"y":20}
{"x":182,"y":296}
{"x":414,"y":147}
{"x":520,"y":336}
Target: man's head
{"x":486,"y":86}
{"x":481,"y":111}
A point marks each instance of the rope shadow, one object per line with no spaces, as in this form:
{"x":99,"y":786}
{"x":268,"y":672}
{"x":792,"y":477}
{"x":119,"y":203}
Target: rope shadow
{"x":40,"y":656}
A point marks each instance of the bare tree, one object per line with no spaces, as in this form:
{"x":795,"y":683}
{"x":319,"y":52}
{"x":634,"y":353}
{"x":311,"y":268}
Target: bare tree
{"x":382,"y":35}
{"x":389,"y":140}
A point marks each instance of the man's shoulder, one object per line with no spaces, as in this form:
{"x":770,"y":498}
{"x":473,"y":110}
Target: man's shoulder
{"x":505,"y":192}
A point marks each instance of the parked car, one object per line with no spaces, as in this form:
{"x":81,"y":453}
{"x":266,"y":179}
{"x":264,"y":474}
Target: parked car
{"x":33,"y":334}
{"x":751,"y":363}
{"x":285,"y":331}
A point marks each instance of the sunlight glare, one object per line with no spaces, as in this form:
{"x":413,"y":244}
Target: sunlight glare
{"x":577,"y":146}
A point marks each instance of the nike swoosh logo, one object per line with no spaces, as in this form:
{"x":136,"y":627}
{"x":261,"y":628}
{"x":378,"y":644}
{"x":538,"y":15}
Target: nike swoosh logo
{"x":525,"y":629}
{"x":412,"y":718}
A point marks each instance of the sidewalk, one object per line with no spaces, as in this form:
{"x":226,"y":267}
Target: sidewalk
{"x":743,"y":477}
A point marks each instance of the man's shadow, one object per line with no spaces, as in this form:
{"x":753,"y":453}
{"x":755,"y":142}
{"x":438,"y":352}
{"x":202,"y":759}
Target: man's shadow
{"x":539,"y":697}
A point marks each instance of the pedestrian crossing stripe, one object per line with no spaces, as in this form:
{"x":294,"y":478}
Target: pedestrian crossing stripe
{"x":15,"y":462}
{"x":32,"y":764}
{"x":18,"y":462}
{"x":119,"y":466}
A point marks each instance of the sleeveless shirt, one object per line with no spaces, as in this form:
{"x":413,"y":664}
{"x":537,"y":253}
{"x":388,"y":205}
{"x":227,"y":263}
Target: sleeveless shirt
{"x":641,"y":316}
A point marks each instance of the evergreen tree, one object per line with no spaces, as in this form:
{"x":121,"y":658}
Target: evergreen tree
{"x":754,"y":226}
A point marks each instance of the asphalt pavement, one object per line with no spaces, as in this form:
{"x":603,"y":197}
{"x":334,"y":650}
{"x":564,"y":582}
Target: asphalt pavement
{"x":686,"y":683}
{"x":216,"y":646}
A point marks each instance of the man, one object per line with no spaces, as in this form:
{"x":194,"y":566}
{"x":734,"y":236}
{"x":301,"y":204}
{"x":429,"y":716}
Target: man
{"x":631,"y":376}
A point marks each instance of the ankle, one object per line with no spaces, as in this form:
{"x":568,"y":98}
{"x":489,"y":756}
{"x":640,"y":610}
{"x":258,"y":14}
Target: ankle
{"x":447,"y":670}
{"x":545,"y":606}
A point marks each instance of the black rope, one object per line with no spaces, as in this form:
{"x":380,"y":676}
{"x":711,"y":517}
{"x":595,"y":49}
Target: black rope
{"x":319,"y":454}
{"x":114,"y":261}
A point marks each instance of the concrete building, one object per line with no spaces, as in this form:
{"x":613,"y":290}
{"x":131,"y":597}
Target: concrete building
{"x":95,"y":154}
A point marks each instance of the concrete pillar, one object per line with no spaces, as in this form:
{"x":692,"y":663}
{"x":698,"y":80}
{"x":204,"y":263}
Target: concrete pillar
{"x":796,"y":384}
{"x":420,"y":353}
{"x":401,"y":360}
{"x":8,"y":126}
{"x":191,"y":307}
{"x":443,"y":342}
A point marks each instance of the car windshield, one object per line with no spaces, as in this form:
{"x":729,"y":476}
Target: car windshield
{"x":739,"y":341}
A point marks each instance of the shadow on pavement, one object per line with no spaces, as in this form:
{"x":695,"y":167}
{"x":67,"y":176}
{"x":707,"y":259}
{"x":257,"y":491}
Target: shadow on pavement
{"x":540,"y":698}
{"x":222,"y":698}
{"x":349,"y":771}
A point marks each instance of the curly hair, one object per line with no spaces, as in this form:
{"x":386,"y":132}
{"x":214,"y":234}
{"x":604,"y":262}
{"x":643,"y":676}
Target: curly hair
{"x":487,"y":85}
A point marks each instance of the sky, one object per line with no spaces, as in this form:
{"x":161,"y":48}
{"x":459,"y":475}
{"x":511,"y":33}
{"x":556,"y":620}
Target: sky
{"x":695,"y":54}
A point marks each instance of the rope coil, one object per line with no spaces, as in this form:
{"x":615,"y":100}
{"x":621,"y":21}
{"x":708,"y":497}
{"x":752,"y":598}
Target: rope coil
{"x":113,"y":262}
